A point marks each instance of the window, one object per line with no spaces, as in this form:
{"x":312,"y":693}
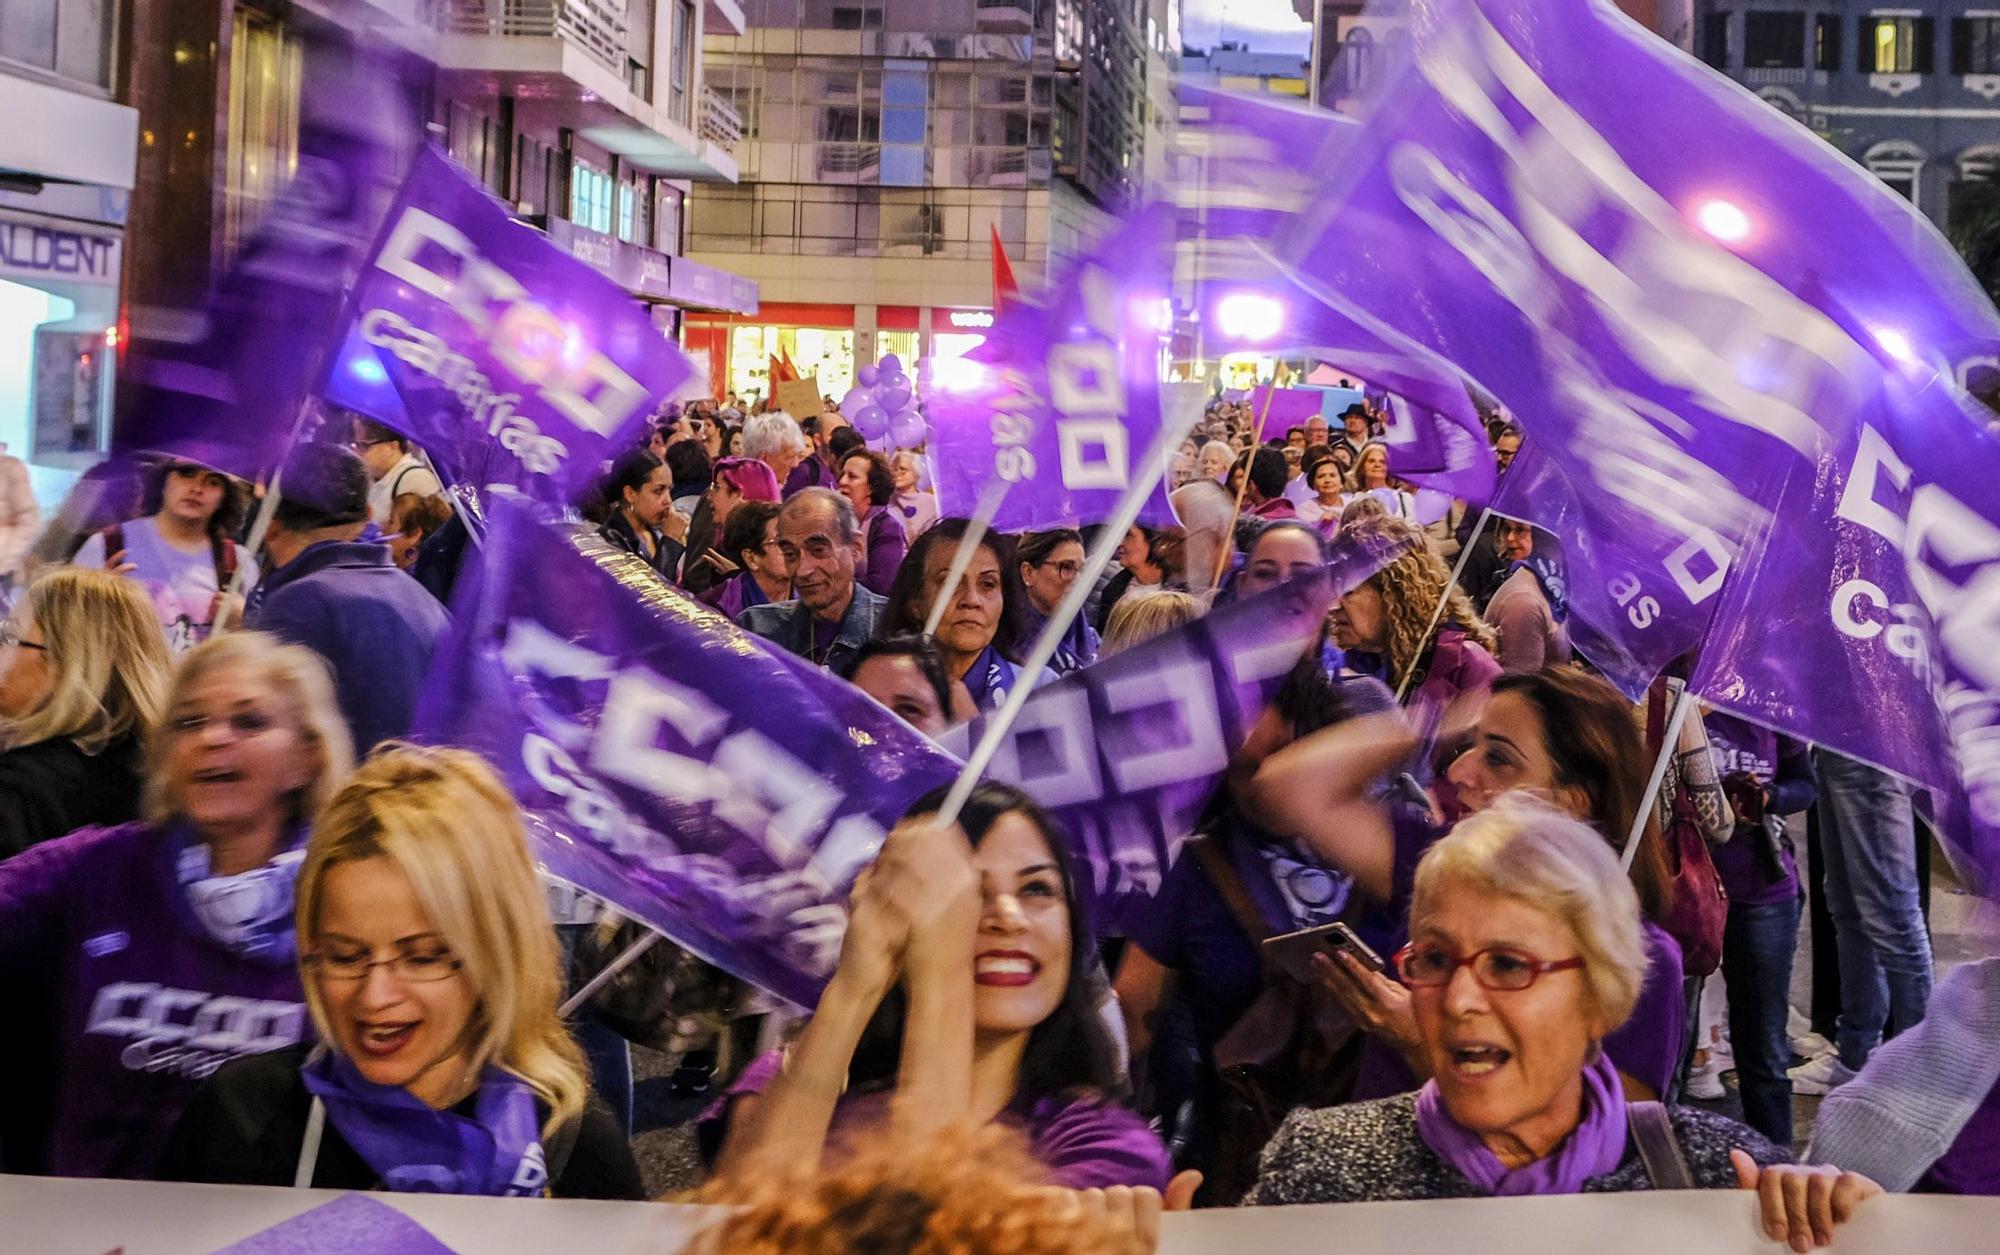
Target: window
{"x":71,"y":38}
{"x":1826,"y":42}
{"x":1975,"y":45}
{"x":1715,"y":40}
{"x":1774,"y":41}
{"x":1900,"y":165}
{"x":680,"y":70}
{"x":590,"y":197}
{"x":261,"y":151}
{"x":625,"y":199}
{"x":1897,"y":45}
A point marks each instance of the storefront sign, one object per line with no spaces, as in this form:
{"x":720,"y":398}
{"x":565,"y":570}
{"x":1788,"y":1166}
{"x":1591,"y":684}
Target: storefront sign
{"x":31,"y":251}
{"x":692,"y":283}
{"x":963,"y":321}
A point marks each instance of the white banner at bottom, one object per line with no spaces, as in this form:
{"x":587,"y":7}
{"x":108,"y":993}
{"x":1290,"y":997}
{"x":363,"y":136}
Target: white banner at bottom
{"x":61,"y":1217}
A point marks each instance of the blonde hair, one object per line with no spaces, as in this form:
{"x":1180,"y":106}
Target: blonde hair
{"x":107,"y":659}
{"x":304,"y":687}
{"x":445,"y":820}
{"x":1524,"y":848}
{"x":1140,"y":616}
{"x":1411,"y":587}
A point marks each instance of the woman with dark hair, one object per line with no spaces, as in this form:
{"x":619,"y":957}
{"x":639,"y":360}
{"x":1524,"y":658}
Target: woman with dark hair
{"x":638,"y":493}
{"x":865,"y":480}
{"x":984,"y":628}
{"x":962,"y":996}
{"x":905,"y":674}
{"x":1050,"y":562}
{"x":1328,"y":482}
{"x":1567,"y":737}
{"x":692,"y":470}
{"x":1233,"y":885}
{"x":750,"y":546}
{"x":182,"y":550}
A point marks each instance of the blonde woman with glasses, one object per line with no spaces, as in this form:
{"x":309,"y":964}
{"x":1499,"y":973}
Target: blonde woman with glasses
{"x":83,"y":679}
{"x":138,"y":959}
{"x":430,"y":965}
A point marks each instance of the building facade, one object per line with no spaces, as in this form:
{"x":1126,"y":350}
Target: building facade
{"x":68,"y":159}
{"x":1911,"y":90}
{"x":1231,"y":66}
{"x":887,"y":143}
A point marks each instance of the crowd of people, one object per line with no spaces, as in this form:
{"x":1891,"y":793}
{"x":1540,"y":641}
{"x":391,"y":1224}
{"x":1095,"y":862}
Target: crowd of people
{"x":252,"y":935}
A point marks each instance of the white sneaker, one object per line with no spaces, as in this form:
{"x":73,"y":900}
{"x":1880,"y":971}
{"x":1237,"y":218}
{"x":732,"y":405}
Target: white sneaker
{"x":1705,"y":1084}
{"x":1820,"y":1074}
{"x":1811,"y":1045}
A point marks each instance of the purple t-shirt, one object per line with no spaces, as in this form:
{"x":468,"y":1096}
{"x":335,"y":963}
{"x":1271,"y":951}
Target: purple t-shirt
{"x":141,"y":1004}
{"x":1084,"y":1143}
{"x":1739,"y":746}
{"x":1972,"y":1165}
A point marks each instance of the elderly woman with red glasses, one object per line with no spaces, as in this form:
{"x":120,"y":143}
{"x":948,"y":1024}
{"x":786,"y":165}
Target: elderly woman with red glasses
{"x":1525,"y":953}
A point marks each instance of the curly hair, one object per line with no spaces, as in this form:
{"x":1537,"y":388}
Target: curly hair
{"x":960,"y":1191}
{"x":1411,"y":587}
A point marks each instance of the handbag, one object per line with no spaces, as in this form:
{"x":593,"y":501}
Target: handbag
{"x":1293,"y":1047}
{"x":1697,"y":906}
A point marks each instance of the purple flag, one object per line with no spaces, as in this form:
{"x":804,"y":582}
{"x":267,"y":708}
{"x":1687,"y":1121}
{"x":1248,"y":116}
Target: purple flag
{"x":508,"y":360}
{"x":1063,"y":401}
{"x":669,"y":762}
{"x":230,"y":397}
{"x":1249,"y":163}
{"x":1127,"y":752}
{"x":1634,"y":256}
{"x":353,"y":1224}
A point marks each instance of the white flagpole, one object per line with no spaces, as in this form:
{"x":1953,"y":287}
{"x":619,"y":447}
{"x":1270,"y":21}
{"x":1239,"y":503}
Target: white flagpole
{"x":1683,"y":702}
{"x":625,"y":959}
{"x":1180,"y":406}
{"x":1444,"y":599}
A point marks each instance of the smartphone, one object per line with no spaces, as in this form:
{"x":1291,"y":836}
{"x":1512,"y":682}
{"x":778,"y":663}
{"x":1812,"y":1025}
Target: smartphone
{"x":1292,"y":952}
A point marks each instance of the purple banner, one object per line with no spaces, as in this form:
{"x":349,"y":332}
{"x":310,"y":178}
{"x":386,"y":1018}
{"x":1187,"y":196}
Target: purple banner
{"x":1282,"y":409}
{"x":508,"y":360}
{"x":353,"y":1224}
{"x":667,"y":761}
{"x":230,"y":397}
{"x":1127,"y":752}
{"x":1063,"y":401}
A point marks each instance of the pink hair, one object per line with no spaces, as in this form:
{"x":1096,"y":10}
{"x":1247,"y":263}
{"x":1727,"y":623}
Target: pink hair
{"x":751,"y":477}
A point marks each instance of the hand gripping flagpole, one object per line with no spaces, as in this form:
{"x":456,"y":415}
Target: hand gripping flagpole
{"x":1178,"y":413}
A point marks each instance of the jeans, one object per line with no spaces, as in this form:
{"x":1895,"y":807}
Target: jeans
{"x":1757,"y":947}
{"x":1868,"y":842}
{"x":610,"y":1061}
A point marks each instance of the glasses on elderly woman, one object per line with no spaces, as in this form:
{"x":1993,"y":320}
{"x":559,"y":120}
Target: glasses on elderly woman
{"x":1503,"y":968}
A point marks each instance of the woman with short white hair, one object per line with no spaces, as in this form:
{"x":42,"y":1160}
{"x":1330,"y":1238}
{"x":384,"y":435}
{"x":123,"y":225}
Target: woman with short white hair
{"x":777,"y":440}
{"x":430,"y":965}
{"x":1525,"y":952}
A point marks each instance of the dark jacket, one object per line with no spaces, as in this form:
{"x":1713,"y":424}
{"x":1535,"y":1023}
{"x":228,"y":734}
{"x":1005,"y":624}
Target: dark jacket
{"x":247,"y":1123}
{"x":666,"y":556}
{"x":789,"y":626}
{"x":52,"y":788}
{"x":376,"y":627}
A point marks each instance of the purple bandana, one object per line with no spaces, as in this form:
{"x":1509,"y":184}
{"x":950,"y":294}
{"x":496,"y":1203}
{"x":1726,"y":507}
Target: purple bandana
{"x":1596,"y":1145}
{"x":416,"y":1149}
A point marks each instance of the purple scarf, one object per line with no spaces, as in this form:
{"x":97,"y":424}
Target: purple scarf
{"x":1595,"y":1147}
{"x":417,"y":1149}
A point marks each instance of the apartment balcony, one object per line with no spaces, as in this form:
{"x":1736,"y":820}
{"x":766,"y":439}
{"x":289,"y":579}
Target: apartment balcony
{"x":571,"y":53}
{"x":721,"y":124}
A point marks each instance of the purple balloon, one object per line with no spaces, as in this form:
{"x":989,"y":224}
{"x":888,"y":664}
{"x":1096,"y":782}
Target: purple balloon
{"x":855,"y":399}
{"x":893,"y":397}
{"x":890,"y":362}
{"x":867,"y":376}
{"x":906,"y":429}
{"x":871,"y":420}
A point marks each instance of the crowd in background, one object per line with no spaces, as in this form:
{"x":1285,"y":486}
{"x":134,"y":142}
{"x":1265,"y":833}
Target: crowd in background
{"x":235,"y":955}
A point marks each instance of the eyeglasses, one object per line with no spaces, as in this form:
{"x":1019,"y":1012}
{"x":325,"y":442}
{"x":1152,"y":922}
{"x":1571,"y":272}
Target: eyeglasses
{"x":363,"y":446}
{"x":11,"y":635}
{"x":1068,"y":570}
{"x":242,"y":725}
{"x":1501,"y":968}
{"x":417,"y":967}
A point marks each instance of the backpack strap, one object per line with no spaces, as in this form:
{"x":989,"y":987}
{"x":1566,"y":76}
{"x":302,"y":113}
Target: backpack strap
{"x":1223,"y":875}
{"x":224,"y":555}
{"x":1659,"y":1147}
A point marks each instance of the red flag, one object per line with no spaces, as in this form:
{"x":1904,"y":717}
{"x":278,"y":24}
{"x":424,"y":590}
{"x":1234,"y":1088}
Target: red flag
{"x":1004,"y":287}
{"x":791,"y":372}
